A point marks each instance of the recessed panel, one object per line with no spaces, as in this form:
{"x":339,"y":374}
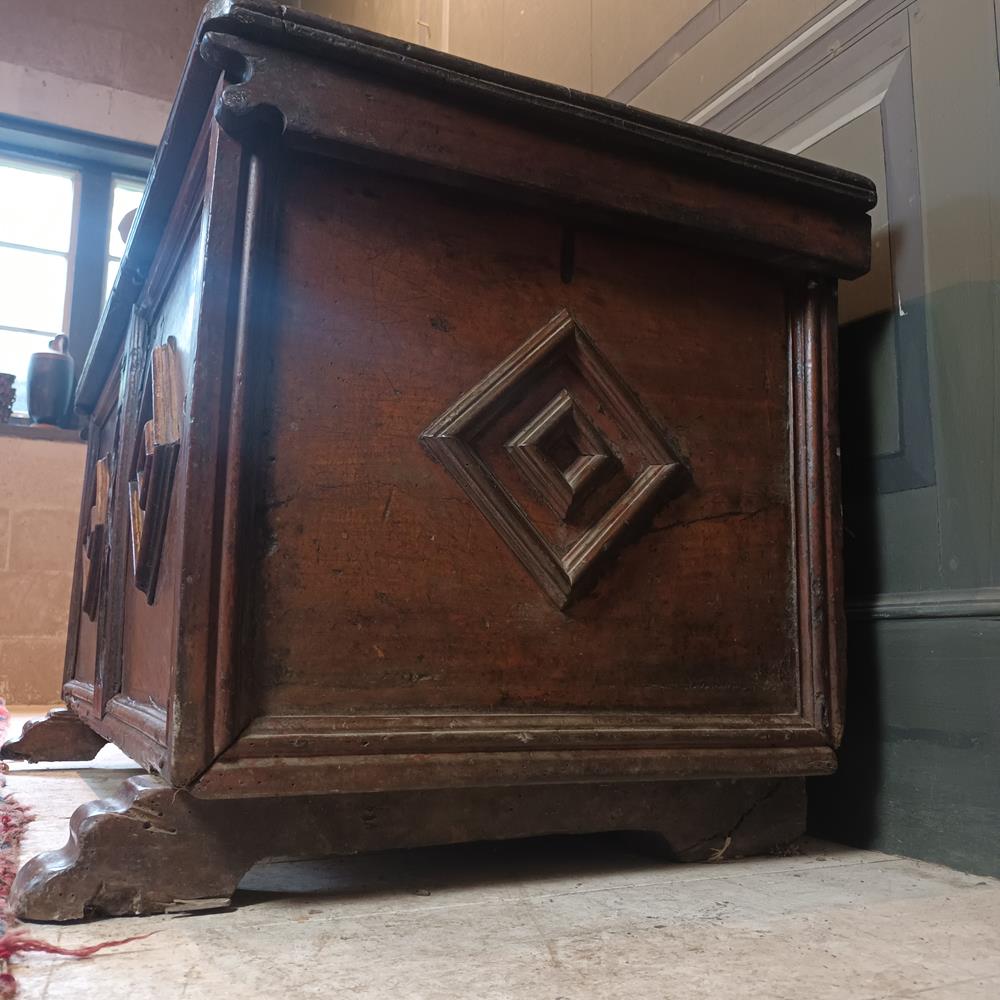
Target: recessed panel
{"x":382,"y":586}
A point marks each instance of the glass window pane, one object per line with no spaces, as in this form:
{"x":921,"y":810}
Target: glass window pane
{"x":32,"y":289}
{"x":15,"y":350}
{"x":127,"y":195}
{"x":112,"y":273}
{"x":36,"y":206}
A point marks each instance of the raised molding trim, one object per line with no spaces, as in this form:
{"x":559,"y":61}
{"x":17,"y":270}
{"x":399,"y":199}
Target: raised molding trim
{"x":678,"y":44}
{"x":824,"y":23}
{"x":981,"y":602}
{"x":149,"y":720}
{"x":253,"y":108}
{"x":266,"y":776}
{"x":860,"y":97}
{"x":562,"y":489}
{"x":277,"y":736}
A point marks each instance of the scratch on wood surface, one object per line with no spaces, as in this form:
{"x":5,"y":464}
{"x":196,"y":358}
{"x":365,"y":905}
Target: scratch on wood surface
{"x":388,"y":503}
{"x":735,"y":514}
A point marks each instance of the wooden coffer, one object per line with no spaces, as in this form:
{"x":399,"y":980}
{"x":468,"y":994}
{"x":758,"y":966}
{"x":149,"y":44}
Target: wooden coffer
{"x":448,"y":429}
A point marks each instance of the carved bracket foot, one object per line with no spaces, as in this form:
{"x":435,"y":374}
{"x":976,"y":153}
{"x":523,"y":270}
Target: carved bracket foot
{"x":152,"y":848}
{"x":147,"y":849}
{"x":59,"y":736}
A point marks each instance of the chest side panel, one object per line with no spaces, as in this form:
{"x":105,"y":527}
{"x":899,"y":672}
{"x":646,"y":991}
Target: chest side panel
{"x":381,"y":585}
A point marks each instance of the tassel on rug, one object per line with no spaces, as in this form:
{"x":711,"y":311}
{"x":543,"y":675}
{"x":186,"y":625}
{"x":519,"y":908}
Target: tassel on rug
{"x":14,"y":819}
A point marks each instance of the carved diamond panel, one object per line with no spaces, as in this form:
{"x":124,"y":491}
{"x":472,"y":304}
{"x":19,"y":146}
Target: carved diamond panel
{"x":602,"y":477}
{"x":562,"y":454}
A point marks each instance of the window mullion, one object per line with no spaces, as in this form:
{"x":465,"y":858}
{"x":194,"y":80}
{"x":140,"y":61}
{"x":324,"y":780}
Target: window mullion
{"x":31,"y":249}
{"x":89,"y":257}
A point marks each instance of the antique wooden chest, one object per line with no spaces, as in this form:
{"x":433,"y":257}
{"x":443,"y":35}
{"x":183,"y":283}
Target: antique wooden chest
{"x":462,"y":463}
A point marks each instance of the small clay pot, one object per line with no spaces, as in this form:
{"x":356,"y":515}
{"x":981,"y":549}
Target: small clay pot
{"x":50,"y":382}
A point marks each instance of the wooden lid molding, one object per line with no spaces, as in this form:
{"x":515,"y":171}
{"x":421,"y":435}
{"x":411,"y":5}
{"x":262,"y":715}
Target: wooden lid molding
{"x":283,"y":75}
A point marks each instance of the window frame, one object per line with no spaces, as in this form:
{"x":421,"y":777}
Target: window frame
{"x":98,"y":162}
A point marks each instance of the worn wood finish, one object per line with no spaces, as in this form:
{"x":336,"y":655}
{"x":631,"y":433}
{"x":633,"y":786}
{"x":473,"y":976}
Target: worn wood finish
{"x":469,"y":436}
{"x":153,"y":849}
{"x":61,"y":735}
{"x":95,"y":540}
{"x":90,"y":572}
{"x":152,"y":467}
{"x":381,"y":125}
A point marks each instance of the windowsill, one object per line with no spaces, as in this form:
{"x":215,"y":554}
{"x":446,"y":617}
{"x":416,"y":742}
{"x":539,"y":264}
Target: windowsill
{"x":19,"y":427}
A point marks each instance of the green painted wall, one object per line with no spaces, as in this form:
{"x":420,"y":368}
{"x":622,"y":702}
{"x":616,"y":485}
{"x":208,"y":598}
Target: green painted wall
{"x":920,"y":766}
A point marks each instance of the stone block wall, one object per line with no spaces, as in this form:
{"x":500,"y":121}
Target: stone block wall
{"x":40,"y":483}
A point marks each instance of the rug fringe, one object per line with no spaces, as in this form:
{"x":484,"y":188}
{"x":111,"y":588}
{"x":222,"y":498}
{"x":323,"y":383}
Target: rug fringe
{"x":14,"y":818}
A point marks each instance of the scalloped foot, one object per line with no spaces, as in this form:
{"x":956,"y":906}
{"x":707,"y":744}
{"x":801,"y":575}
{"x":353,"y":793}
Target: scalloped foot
{"x":61,"y":735}
{"x":148,"y":849}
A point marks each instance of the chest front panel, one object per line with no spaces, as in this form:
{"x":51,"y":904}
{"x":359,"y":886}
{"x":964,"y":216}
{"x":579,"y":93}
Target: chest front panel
{"x":387,"y":582}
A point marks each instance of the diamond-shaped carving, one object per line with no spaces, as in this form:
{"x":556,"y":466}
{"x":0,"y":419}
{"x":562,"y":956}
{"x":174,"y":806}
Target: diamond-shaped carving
{"x":561,"y":453}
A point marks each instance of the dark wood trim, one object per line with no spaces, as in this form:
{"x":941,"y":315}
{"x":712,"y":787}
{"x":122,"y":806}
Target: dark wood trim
{"x":181,"y":224}
{"x":552,"y":108}
{"x":261,"y":210}
{"x":137,"y":743}
{"x":205,"y":671}
{"x":340,"y":736}
{"x":376,"y":121}
{"x":109,"y":398}
{"x":78,"y":692}
{"x":815,"y":448}
{"x":118,"y":725}
{"x":269,"y":776}
{"x":108,"y":675}
{"x":147,"y":719}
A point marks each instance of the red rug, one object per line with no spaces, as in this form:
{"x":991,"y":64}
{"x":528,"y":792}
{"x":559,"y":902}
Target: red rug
{"x":14,"y":818}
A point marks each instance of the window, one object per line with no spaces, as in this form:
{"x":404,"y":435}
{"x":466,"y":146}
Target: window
{"x":63,"y":198}
{"x":37,"y":214}
{"x":124,"y":203}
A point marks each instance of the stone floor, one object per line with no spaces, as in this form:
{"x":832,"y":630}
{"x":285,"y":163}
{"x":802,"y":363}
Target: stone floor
{"x":568,"y":918}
